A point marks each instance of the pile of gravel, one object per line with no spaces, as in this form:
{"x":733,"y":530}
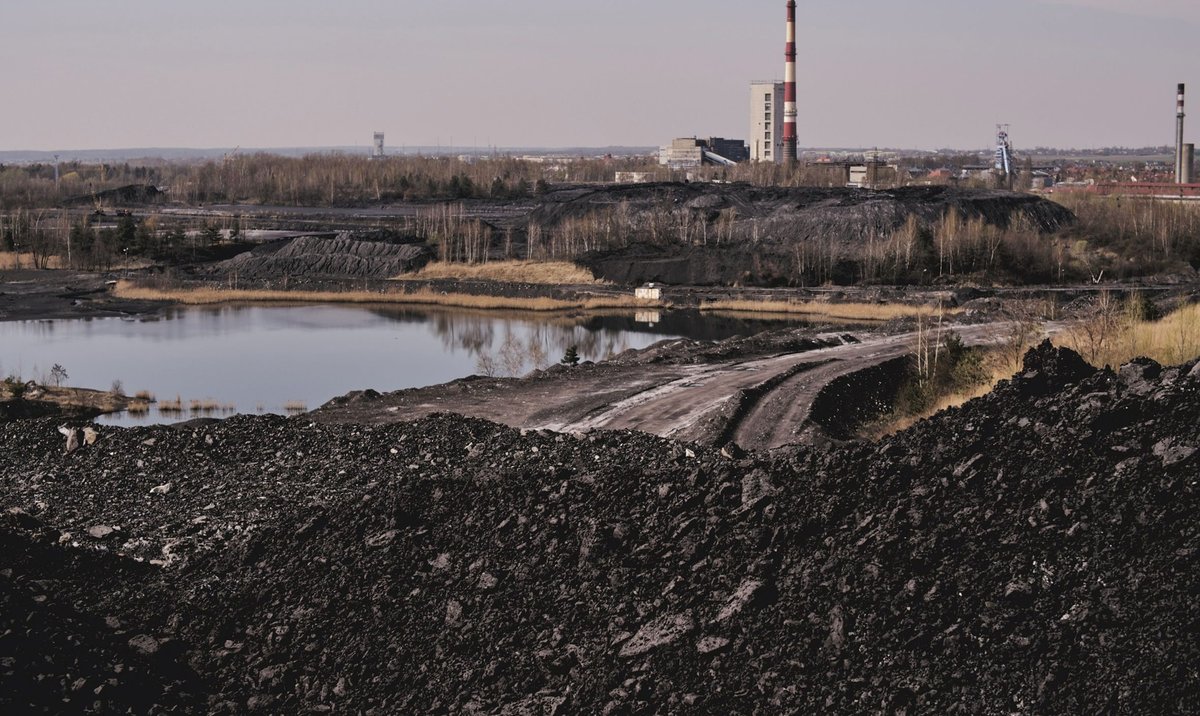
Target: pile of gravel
{"x":1031,"y":552}
{"x":315,"y":257}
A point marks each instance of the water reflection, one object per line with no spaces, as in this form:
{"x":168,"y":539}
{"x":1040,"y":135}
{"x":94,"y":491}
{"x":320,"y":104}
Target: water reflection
{"x":212,"y":361}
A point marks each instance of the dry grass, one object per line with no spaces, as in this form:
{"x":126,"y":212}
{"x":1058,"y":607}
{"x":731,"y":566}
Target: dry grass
{"x":295,"y":406}
{"x":207,"y":296}
{"x":138,"y":407}
{"x":102,"y":400}
{"x":171,"y":406}
{"x":208,"y":406}
{"x":999,"y":369}
{"x":847,"y":311}
{"x":1171,"y":340}
{"x":540,"y":272}
{"x":144,"y":395}
{"x":12,"y":260}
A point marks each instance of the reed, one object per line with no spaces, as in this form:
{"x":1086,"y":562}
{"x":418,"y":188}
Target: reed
{"x":539,"y":272}
{"x":295,"y":406}
{"x":207,"y":296}
{"x":138,"y":407}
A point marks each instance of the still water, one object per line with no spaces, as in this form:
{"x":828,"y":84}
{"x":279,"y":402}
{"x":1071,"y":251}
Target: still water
{"x":252,"y":359}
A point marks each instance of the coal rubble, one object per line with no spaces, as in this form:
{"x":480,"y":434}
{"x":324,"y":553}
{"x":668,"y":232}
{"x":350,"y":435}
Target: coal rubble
{"x":1031,"y":552}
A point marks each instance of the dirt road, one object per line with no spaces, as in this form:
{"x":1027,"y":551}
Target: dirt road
{"x":776,"y":414}
{"x":759,"y":402}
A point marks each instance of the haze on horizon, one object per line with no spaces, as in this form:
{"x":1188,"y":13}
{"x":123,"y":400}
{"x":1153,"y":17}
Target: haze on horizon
{"x":274,"y":73}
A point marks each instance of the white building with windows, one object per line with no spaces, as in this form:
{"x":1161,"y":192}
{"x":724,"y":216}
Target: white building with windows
{"x":766,"y":121}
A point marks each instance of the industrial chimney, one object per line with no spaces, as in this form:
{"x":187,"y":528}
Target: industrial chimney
{"x":1180,"y":177}
{"x":789,"y":89}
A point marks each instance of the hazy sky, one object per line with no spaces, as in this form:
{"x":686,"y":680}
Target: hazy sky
{"x":898,"y":73}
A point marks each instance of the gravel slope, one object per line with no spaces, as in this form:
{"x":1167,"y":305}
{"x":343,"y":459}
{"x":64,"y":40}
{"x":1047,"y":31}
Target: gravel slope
{"x":1030,"y":552}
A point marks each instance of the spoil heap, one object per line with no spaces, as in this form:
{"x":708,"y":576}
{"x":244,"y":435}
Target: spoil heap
{"x":314,"y":257}
{"x":742,"y":235}
{"x":1031,"y":552}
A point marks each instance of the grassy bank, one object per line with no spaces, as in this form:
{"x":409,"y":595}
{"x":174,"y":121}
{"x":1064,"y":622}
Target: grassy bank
{"x":848,"y":311}
{"x":208,"y":296}
{"x":81,"y":399}
{"x":1105,"y":340}
{"x":539,"y":272}
{"x":1110,"y":338}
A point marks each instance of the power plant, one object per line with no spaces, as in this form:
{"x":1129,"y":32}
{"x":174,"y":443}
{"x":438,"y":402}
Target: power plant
{"x":773,"y":108}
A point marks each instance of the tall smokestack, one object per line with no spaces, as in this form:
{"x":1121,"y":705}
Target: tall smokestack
{"x":789,"y":89}
{"x":1179,"y":169}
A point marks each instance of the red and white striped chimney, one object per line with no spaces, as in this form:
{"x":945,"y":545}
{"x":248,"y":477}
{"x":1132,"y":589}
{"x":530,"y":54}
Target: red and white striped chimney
{"x":1180,"y":172}
{"x":790,"y":111}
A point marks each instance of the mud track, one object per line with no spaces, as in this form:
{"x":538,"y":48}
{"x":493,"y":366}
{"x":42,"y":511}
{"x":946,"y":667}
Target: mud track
{"x":760,"y":402}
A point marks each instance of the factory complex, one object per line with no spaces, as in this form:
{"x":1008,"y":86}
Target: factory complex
{"x":773,"y":138}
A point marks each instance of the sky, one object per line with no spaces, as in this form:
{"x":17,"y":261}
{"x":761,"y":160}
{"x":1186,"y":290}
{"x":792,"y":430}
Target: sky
{"x":921,"y":74}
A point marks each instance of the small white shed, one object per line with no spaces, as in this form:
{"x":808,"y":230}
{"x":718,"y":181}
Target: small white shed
{"x":649,"y":292}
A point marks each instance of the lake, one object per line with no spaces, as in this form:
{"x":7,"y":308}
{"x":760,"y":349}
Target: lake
{"x":254,"y":359}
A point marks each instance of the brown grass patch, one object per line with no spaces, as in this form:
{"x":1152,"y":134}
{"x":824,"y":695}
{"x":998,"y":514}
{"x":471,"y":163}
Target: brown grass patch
{"x":848,"y":311}
{"x":138,"y":407}
{"x":539,"y":272}
{"x":1171,"y":340}
{"x":12,"y":260}
{"x":207,"y":296}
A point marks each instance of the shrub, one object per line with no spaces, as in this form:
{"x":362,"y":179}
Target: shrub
{"x":15,"y":386}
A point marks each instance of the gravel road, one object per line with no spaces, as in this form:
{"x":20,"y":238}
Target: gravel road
{"x":689,"y":400}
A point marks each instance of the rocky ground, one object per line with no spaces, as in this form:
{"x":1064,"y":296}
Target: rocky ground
{"x":1031,"y":552}
{"x":42,"y":295}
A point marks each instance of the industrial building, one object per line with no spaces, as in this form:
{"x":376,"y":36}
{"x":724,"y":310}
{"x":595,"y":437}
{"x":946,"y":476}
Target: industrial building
{"x":766,"y":121}
{"x":773,"y":109}
{"x":690,"y":152}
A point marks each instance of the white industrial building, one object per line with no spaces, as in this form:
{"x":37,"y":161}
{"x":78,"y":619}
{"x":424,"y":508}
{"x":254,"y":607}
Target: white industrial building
{"x":690,"y":152}
{"x":766,"y":121}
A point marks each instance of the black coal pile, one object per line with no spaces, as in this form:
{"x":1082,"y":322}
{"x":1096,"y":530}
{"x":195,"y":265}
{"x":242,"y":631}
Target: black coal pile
{"x":346,"y":256}
{"x":1031,"y":552}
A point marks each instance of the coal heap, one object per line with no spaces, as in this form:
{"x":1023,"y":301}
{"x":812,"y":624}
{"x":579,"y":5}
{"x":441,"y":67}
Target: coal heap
{"x":317,"y":257}
{"x":1031,"y":552}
